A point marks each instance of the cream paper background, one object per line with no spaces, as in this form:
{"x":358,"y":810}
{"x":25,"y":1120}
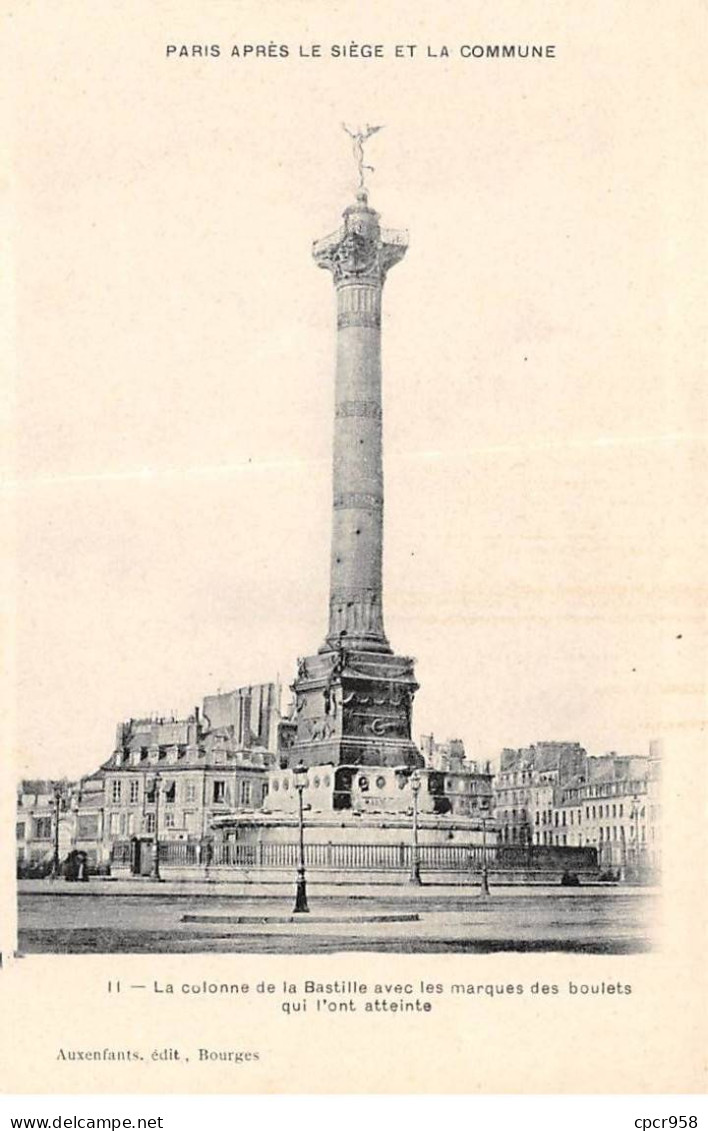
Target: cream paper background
{"x":168,"y":469}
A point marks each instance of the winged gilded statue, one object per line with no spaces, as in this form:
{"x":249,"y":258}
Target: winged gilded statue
{"x":358,"y":138}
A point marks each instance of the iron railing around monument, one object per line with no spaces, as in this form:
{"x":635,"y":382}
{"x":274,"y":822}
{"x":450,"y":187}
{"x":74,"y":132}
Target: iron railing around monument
{"x":390,"y":857}
{"x":387,"y":236}
{"x":178,"y":853}
{"x":365,"y":857}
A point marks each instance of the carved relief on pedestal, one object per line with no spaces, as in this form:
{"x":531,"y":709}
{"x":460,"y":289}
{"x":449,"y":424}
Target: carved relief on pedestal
{"x":361,"y":725}
{"x":378,"y":712}
{"x":393,"y":696}
{"x":315,"y":730}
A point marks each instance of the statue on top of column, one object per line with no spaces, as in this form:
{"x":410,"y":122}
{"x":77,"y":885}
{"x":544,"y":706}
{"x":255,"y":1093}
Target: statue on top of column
{"x":359,"y":137}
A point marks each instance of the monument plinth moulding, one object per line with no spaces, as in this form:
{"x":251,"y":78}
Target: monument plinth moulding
{"x":354,"y":697}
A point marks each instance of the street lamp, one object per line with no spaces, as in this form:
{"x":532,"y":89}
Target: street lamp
{"x":155,"y":874}
{"x":55,"y":858}
{"x":484,"y":889}
{"x":634,"y":816}
{"x":637,"y":815}
{"x":415,"y":783}
{"x":300,"y":781}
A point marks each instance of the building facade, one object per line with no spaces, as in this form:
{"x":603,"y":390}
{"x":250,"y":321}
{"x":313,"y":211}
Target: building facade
{"x":608,"y":810}
{"x":525,"y":784}
{"x":169,"y":779}
{"x":45,"y":826}
{"x":555,"y":794}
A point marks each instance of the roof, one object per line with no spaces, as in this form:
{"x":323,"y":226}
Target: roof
{"x":35,"y":785}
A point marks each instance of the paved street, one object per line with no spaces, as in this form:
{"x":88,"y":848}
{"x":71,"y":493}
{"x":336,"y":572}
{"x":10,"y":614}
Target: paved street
{"x":105,"y":918}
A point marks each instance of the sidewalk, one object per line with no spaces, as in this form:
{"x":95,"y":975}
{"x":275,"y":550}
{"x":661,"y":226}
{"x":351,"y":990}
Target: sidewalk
{"x":224,"y":889}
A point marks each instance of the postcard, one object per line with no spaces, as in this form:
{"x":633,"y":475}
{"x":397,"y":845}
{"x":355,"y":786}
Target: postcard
{"x":355,"y":682}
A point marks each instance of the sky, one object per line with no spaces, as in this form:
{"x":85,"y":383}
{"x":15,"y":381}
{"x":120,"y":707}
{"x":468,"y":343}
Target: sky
{"x":169,"y":481}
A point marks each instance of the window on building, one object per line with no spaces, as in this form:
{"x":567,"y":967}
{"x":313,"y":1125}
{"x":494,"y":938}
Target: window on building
{"x":150,"y":823}
{"x":190,"y":791}
{"x":20,"y":830}
{"x":219,"y":792}
{"x":564,"y":818}
{"x":150,"y":792}
{"x":87,"y":826}
{"x":170,"y":792}
{"x":264,"y":791}
{"x":116,"y":792}
{"x":169,"y":820}
{"x":134,"y":791}
{"x":621,"y":810}
{"x":245,"y":793}
{"x":115,"y":824}
{"x":43,"y":828}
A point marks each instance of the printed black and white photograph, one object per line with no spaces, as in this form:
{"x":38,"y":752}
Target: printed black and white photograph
{"x":353,"y":634}
{"x":463,"y":756}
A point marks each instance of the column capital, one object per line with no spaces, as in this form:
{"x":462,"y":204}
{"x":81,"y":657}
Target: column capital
{"x":360,"y":251}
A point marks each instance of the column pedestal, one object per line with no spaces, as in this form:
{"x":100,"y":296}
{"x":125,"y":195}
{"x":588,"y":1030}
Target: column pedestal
{"x":353,"y":708}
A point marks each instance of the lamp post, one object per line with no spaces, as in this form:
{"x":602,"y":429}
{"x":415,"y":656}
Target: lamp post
{"x":415,"y":783}
{"x":55,"y":857}
{"x":484,"y":889}
{"x":623,"y":850}
{"x":155,"y":874}
{"x":637,"y":815}
{"x":300,"y":780}
{"x":634,"y":815}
